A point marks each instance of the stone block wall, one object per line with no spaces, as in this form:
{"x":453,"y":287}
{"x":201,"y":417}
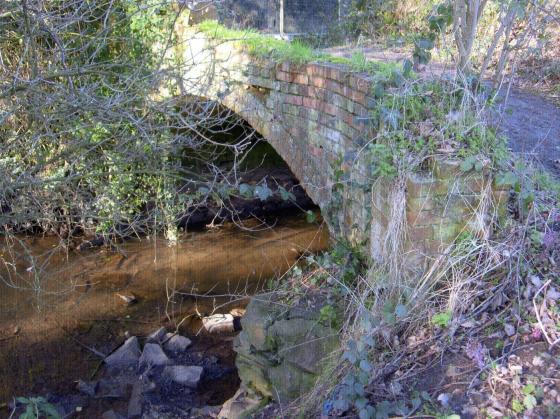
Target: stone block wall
{"x":283,"y":349}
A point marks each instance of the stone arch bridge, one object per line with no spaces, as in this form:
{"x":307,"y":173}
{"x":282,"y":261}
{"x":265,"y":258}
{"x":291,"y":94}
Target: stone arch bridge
{"x":315,"y":116}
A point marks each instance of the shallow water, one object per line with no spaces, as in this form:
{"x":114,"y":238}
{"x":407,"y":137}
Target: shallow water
{"x":58,"y":308}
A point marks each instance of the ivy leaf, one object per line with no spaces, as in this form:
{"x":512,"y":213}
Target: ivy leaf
{"x":246,"y":190}
{"x":442,"y":319}
{"x":263,"y":192}
{"x":365,"y":365}
{"x":401,"y":311}
{"x":529,"y":389}
{"x":361,"y":403}
{"x":366,"y":413}
{"x":468,"y":164}
{"x":310,"y":216}
{"x":516,"y":406}
{"x":530,"y":401}
{"x":341,"y":405}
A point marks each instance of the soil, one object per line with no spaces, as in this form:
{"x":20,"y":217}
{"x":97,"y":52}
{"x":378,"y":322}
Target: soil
{"x":532,"y":125}
{"x":530,"y":121}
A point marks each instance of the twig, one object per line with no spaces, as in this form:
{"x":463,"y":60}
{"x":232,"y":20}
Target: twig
{"x":537,"y":312}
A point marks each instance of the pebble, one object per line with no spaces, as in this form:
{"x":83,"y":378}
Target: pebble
{"x":153,"y":356}
{"x":176,"y":343}
{"x":158,"y":336}
{"x":538,"y":361}
{"x":127,"y":355}
{"x":219,"y":323}
{"x":184,"y":375}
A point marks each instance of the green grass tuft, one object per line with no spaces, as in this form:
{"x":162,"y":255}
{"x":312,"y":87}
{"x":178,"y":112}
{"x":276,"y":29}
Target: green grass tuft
{"x":266,"y":46}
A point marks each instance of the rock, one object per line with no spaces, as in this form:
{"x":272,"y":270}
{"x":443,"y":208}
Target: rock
{"x":184,"y":375}
{"x":158,"y":336}
{"x":444,"y":399}
{"x":116,"y":388}
{"x":219,"y":323}
{"x":153,"y":356}
{"x":537,"y":361}
{"x":127,"y":355}
{"x":206,"y":412}
{"x":289,"y":382}
{"x":242,"y":405}
{"x":111,"y":414}
{"x":127,"y":299}
{"x":282,"y":352}
{"x":304,"y":343}
{"x":237,"y":312}
{"x":176,"y":343}
{"x":136,"y":401}
{"x":87,"y":387}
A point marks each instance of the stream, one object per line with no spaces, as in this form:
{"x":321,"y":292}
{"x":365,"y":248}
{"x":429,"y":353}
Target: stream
{"x":61,"y":311}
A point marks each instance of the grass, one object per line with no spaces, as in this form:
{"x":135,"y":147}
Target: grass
{"x":266,"y":46}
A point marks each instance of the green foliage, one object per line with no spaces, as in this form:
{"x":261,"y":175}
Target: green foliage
{"x":329,"y":316}
{"x":438,"y":21}
{"x":442,"y":319}
{"x":415,"y":118}
{"x":297,"y":51}
{"x":310,"y":216}
{"x":36,"y":408}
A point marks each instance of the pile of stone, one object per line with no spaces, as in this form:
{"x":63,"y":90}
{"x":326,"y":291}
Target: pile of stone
{"x":150,"y":370}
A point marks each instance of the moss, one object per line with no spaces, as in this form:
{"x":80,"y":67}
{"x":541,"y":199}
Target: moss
{"x":266,"y":46}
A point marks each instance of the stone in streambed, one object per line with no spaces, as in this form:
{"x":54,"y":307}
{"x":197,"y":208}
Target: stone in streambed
{"x":153,"y":356}
{"x":158,"y":336}
{"x":127,"y":355}
{"x":184,"y":375}
{"x":219,"y":323}
{"x":136,"y":401}
{"x":176,"y":343}
{"x":88,"y":388}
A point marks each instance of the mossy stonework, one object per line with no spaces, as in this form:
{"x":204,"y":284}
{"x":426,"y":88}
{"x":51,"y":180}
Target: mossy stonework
{"x":283,"y":349}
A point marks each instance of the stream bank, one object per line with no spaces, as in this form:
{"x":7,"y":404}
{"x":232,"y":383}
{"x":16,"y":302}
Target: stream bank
{"x":61,"y":309}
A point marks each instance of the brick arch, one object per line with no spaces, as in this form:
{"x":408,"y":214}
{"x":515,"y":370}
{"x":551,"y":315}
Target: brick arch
{"x":314,"y":115}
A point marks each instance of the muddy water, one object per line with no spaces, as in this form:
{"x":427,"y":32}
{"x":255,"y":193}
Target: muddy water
{"x":58,"y":308}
